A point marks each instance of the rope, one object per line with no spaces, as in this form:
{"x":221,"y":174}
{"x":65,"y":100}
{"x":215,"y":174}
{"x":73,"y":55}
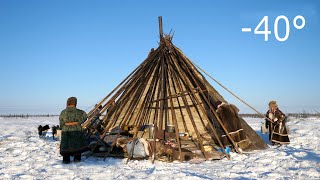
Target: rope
{"x":263,"y":116}
{"x":90,"y":107}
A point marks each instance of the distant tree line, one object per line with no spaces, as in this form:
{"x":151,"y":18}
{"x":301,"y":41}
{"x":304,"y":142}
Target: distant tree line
{"x":297,"y":115}
{"x":27,"y":115}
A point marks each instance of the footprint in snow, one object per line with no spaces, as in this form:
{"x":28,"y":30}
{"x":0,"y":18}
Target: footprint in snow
{"x":300,"y":154}
{"x":16,"y":151}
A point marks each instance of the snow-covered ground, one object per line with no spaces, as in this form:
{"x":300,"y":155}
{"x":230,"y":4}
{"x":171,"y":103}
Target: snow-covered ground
{"x":25,"y":156}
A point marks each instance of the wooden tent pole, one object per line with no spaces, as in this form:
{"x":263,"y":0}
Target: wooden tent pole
{"x":173,"y":115}
{"x":136,"y":95}
{"x":160,"y":28}
{"x":154,"y":84}
{"x":196,"y":104}
{"x":213,"y":130}
{"x":155,"y":119}
{"x":137,"y":90}
{"x":175,"y":75}
{"x":133,"y":80}
{"x":135,"y":70}
{"x":127,"y":81}
{"x":150,"y":92}
{"x":209,"y":122}
{"x":181,"y":113}
{"x":104,"y":99}
{"x":215,"y":115}
{"x":145,"y":102}
{"x":148,"y":77}
{"x":144,"y":107}
{"x":162,"y":91}
{"x":131,"y":106}
{"x":219,"y":120}
{"x":263,"y":116}
{"x":135,"y":98}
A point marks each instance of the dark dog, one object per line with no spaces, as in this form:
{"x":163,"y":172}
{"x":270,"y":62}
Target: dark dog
{"x":41,"y":129}
{"x":54,"y":130}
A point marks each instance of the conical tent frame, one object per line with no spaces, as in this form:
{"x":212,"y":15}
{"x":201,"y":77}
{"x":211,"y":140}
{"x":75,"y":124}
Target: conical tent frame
{"x":167,"y":89}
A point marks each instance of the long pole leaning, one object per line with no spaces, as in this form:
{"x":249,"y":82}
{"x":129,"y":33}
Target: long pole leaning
{"x":211,"y":126}
{"x":263,"y":116}
{"x":218,"y":119}
{"x":104,"y":99}
{"x":173,"y":114}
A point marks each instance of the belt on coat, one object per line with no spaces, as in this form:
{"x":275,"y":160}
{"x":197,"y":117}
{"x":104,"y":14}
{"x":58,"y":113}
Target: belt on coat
{"x":71,"y":123}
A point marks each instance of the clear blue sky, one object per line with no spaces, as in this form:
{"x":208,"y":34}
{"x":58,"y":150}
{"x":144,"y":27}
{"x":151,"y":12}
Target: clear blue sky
{"x":50,"y":50}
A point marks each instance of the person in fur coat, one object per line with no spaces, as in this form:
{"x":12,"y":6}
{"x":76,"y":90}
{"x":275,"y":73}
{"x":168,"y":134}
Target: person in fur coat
{"x":228,"y":114}
{"x":277,"y":127}
{"x":73,"y":140}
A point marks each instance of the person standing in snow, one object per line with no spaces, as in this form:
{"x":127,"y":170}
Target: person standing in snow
{"x":73,"y":141}
{"x":277,"y":128}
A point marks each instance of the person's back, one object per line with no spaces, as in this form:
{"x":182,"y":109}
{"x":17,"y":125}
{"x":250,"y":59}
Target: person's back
{"x":73,"y":141}
{"x":72,"y":114}
{"x":228,"y":114}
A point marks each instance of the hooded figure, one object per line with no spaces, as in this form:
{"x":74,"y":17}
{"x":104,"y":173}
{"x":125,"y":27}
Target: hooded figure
{"x":73,"y":141}
{"x":277,"y":128}
{"x":228,"y":114}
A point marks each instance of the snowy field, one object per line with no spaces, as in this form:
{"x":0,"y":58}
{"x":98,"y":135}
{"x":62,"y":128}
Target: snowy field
{"x":25,"y":156}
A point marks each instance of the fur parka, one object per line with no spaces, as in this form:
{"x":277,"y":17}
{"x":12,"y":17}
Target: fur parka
{"x":228,"y":114}
{"x":278,"y":133}
{"x":72,"y":137}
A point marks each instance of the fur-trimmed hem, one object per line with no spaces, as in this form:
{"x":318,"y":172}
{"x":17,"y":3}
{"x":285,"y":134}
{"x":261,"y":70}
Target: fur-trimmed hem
{"x":243,"y":140}
{"x":233,"y":132}
{"x":280,"y":134}
{"x":280,"y":142}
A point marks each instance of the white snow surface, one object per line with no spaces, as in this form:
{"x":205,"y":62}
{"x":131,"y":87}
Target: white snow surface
{"x":26,"y":156}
